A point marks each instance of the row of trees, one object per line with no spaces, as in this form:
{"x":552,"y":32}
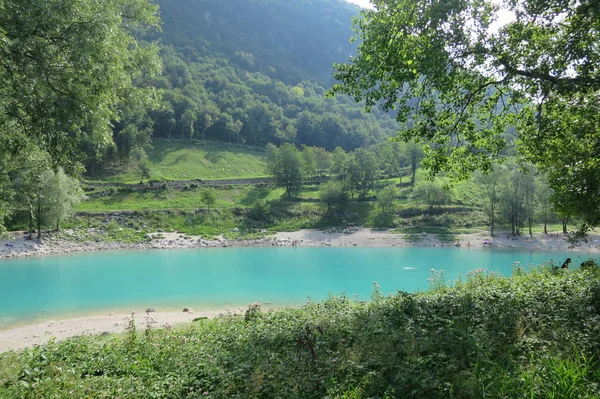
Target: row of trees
{"x":519,"y":197}
{"x":513,"y":194}
{"x":44,"y":195}
{"x":509,"y":195}
{"x":359,"y":170}
{"x":290,"y":167}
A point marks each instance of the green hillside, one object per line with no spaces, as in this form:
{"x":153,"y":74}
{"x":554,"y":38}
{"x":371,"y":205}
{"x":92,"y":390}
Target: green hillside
{"x":246,"y":72}
{"x":291,"y":40}
{"x":206,"y":160}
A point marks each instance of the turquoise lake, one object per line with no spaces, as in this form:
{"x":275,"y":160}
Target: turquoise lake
{"x":36,"y":289}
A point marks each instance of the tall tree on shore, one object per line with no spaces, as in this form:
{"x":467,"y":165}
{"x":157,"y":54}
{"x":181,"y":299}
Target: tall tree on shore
{"x":459,"y":84}
{"x":60,"y":193}
{"x":543,"y":193}
{"x":490,"y":184}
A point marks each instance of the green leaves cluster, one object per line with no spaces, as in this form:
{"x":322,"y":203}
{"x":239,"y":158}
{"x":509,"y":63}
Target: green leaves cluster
{"x":64,"y":68}
{"x":334,"y":195}
{"x":433,"y":194}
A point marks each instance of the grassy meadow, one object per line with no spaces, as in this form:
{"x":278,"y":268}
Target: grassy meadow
{"x":177,"y":160}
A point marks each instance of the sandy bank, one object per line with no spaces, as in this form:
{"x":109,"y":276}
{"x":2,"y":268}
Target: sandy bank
{"x":39,"y":334}
{"x":364,"y":237}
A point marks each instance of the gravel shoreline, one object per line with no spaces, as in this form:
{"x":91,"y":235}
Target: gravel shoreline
{"x":358,"y":236}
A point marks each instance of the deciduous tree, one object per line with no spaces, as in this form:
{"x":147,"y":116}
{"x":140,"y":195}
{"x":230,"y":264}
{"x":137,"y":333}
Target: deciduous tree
{"x":490,"y":188}
{"x":385,"y":199}
{"x":284,"y":164}
{"x":431,"y":193}
{"x":65,"y":67}
{"x":334,"y":195}
{"x":61,"y":192}
{"x":459,"y":84}
{"x":362,"y":171}
{"x":309,"y":163}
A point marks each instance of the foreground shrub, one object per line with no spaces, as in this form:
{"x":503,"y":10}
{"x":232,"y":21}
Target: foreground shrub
{"x":536,"y":334}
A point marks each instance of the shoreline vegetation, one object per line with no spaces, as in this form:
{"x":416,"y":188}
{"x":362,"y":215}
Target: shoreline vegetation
{"x":534,"y":332}
{"x":32,"y":335}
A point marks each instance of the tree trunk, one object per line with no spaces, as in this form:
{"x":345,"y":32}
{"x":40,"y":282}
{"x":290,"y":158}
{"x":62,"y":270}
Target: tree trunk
{"x":512,"y":224}
{"x":492,"y":221}
{"x":58,"y":224}
{"x":30,"y":223}
{"x":565,"y":221}
{"x":530,"y":221}
{"x":39,"y":221}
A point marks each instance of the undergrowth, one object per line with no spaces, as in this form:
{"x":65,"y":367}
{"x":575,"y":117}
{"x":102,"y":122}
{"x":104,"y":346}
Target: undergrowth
{"x":534,"y":335}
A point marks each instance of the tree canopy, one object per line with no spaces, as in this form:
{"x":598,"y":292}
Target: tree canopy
{"x":65,"y":69}
{"x":461,"y":84}
{"x":65,"y":66}
{"x":284,"y":164}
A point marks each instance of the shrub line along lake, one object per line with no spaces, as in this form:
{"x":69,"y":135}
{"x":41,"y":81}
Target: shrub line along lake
{"x":92,"y":283}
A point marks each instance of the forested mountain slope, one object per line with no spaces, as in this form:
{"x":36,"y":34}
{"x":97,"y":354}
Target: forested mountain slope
{"x":248,"y":72}
{"x":290,"y":41}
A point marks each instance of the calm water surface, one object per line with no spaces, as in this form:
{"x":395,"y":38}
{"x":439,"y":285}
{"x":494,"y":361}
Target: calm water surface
{"x":36,"y":289}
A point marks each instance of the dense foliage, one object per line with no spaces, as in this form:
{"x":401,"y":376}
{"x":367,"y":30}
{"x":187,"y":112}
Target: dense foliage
{"x":475,"y":81}
{"x":88,"y":90}
{"x":532,"y":335}
{"x":65,"y":70}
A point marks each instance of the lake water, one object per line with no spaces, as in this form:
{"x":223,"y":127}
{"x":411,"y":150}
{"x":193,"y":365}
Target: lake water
{"x":37,"y":289}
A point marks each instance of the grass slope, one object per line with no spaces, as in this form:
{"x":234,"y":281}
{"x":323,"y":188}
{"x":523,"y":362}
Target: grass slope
{"x":241,"y":196}
{"x":206,"y":160}
{"x":533,"y":335}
